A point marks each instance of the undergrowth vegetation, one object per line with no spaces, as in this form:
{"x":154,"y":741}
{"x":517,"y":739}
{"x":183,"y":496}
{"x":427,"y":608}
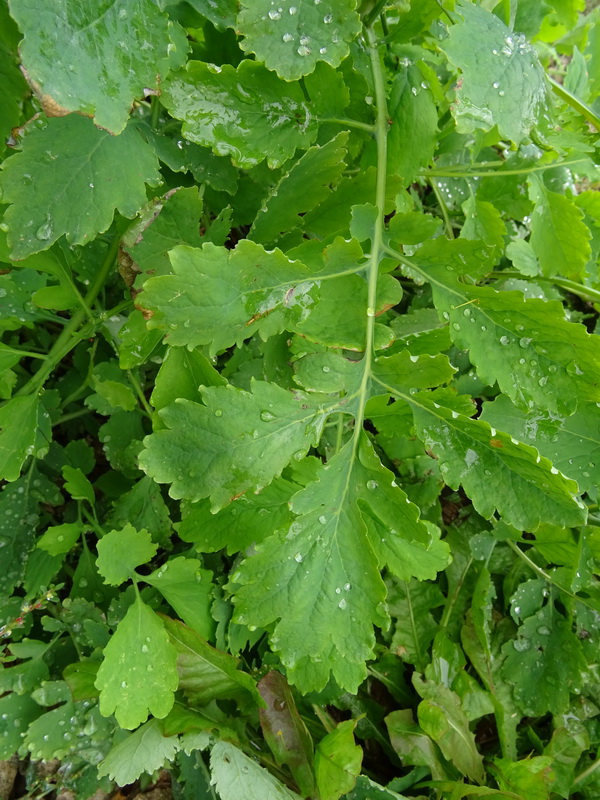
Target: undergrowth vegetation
{"x":300,"y":422}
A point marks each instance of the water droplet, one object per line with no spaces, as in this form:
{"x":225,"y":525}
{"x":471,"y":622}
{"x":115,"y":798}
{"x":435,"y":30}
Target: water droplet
{"x":266,"y":416}
{"x":322,"y":50}
{"x":328,"y":18}
{"x":501,"y":93}
{"x":299,"y":558}
{"x":303,"y":50}
{"x":504,"y":340}
{"x":287,"y":37}
{"x":144,"y":648}
{"x":372,"y":485}
{"x":414,"y":90}
{"x":342,"y":604}
{"x":543,"y":630}
{"x":326,"y":369}
{"x":123,"y":684}
{"x":521,"y":645}
{"x":323,"y":519}
{"x":219,"y":412}
{"x":44,"y":232}
{"x":496,"y":85}
{"x":273,"y":14}
{"x":293,"y":10}
{"x":456,"y":326}
{"x":347,"y":586}
{"x":370,"y":312}
{"x":298,"y":455}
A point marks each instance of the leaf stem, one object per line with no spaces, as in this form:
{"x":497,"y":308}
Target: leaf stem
{"x":141,"y":396}
{"x":587,"y":771}
{"x":443,"y":209}
{"x":571,"y":286}
{"x":350,"y":123}
{"x":68,"y":338}
{"x":575,"y":103}
{"x":448,"y":172}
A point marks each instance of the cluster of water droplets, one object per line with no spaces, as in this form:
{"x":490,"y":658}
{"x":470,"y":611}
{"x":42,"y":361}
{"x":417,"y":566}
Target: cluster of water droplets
{"x":305,"y":45}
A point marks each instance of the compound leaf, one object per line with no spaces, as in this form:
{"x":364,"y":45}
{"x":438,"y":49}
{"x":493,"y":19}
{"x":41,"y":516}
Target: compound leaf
{"x":139,"y":673}
{"x":502,"y":81}
{"x":321,"y":583}
{"x":70,"y":161}
{"x":73,"y":62}
{"x":292,"y":39}
{"x":248,"y":113}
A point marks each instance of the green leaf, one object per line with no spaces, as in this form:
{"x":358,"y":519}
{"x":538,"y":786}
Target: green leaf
{"x":221,"y":13}
{"x":285,"y":731}
{"x":170,"y":221}
{"x":120,"y":552}
{"x":526,"y":345}
{"x":145,"y":750}
{"x":321,"y":581}
{"x":238,"y":777}
{"x":571,"y":443}
{"x":181,"y":374}
{"x":138,"y":675}
{"x":559,"y":237}
{"x":19,"y":516}
{"x":70,"y":161}
{"x":144,"y":507}
{"x":410,"y":604}
{"x":531,"y":777}
{"x":412,"y":136}
{"x":545,"y":663}
{"x":238,"y":441}
{"x":16,"y":713}
{"x":293,"y":39}
{"x":13,"y":88}
{"x":413,"y":745}
{"x":214,"y":103}
{"x":95,"y":58}
{"x":59,"y":539}
{"x":300,"y":190}
{"x":502,"y":81}
{"x":206,"y":673}
{"x":442,"y":717}
{"x":235,"y":294}
{"x":188,"y":589}
{"x":527,"y":489}
{"x":18,"y":426}
{"x":337,"y":761}
{"x":77,"y":485}
{"x":241,"y":523}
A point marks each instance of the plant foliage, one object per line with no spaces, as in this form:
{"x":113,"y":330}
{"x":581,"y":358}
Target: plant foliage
{"x":299,"y":434}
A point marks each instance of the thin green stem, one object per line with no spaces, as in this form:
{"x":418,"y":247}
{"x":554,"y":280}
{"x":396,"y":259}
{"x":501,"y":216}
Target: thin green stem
{"x":73,"y":415}
{"x":443,"y":209}
{"x":350,"y":123}
{"x":339,"y":436}
{"x":68,"y":337}
{"x":571,"y":286}
{"x":587,"y":771}
{"x":377,"y":242}
{"x":138,"y":390}
{"x":154,"y":111}
{"x":575,"y":103}
{"x":448,"y":172}
{"x":372,"y":15}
